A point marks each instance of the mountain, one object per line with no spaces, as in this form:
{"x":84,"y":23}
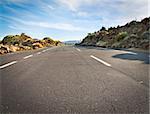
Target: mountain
{"x":135,"y":34}
{"x":72,"y":41}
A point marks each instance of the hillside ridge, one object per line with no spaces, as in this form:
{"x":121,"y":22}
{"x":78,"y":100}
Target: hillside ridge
{"x":13,"y":43}
{"x":135,"y":34}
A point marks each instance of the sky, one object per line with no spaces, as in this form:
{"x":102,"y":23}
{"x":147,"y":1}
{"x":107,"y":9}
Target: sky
{"x":67,"y":19}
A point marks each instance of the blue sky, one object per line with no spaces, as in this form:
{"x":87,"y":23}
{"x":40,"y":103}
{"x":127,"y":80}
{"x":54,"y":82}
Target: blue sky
{"x":67,"y":19}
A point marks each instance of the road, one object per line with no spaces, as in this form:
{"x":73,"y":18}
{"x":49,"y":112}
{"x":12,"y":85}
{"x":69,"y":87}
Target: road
{"x":73,"y":79}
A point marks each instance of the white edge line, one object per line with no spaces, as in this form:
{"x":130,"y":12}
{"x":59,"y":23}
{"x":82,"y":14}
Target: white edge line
{"x":8,"y":64}
{"x":27,"y":56}
{"x":103,"y":62}
{"x":132,"y":53}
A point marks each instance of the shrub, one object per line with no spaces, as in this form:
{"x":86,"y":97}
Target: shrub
{"x":10,"y":39}
{"x":146,"y":35}
{"x":57,"y":42}
{"x":101,"y":43}
{"x":48,"y":40}
{"x":103,"y":29}
{"x":121,"y":36}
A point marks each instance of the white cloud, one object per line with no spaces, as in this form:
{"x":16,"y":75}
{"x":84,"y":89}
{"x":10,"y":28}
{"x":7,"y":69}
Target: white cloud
{"x":128,"y":8}
{"x":46,"y":6}
{"x":50,"y":7}
{"x":71,"y":4}
{"x":31,"y":24}
{"x":61,"y":26}
{"x":16,"y":27}
{"x":82,"y":14}
{"x":13,"y":1}
{"x":74,"y":5}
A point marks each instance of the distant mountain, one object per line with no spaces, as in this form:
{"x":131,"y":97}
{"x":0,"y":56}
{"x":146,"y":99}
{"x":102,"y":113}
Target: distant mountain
{"x":135,"y":34}
{"x":72,"y":41}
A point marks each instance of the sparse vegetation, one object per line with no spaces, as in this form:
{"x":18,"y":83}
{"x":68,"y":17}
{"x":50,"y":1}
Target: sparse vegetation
{"x":131,"y":35}
{"x":121,"y":36}
{"x":12,"y":43}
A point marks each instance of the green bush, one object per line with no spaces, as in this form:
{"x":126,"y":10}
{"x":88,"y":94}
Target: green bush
{"x":48,"y":40}
{"x":10,"y":39}
{"x":103,"y":29}
{"x":101,"y":43}
{"x":121,"y":36}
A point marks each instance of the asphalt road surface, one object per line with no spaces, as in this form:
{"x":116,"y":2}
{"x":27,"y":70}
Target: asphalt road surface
{"x":74,"y":80}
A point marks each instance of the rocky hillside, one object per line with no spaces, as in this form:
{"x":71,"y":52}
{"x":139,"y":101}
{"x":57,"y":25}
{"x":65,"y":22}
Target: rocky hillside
{"x":132,"y":35}
{"x":12,"y":43}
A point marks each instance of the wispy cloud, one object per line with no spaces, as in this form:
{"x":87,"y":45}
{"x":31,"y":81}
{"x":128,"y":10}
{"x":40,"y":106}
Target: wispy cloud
{"x":127,"y":8}
{"x":74,"y":5}
{"x":82,"y":14}
{"x":61,"y":26}
{"x":50,"y":7}
{"x":66,"y":18}
{"x":13,"y":1}
{"x":16,"y":27}
{"x":32,"y":24}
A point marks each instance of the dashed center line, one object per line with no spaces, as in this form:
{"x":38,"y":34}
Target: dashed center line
{"x":27,"y":56}
{"x":43,"y":50}
{"x":78,"y":49}
{"x":8,"y":64}
{"x":47,"y":49}
{"x":39,"y":53}
{"x":99,"y":60}
{"x":14,"y":62}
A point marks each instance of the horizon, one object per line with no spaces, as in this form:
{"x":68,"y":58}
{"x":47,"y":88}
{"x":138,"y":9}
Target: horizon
{"x":67,"y":20}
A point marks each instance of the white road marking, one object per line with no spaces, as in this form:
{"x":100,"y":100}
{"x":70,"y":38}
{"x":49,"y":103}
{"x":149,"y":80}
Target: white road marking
{"x":141,"y":82}
{"x":39,"y":53}
{"x":103,"y":62}
{"x":132,"y":53}
{"x":27,"y":56}
{"x":8,"y":64}
{"x":43,"y":50}
{"x":78,"y":49}
{"x":46,"y":49}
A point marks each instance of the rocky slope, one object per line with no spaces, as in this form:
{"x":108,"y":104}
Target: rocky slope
{"x":132,"y":35}
{"x":12,"y":43}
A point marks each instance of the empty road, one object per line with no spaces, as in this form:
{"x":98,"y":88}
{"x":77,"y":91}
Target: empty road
{"x":74,"y":80}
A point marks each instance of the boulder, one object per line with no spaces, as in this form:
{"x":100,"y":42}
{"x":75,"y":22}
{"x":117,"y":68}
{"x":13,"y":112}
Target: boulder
{"x":24,"y":47}
{"x":4,"y":49}
{"x":14,"y":48}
